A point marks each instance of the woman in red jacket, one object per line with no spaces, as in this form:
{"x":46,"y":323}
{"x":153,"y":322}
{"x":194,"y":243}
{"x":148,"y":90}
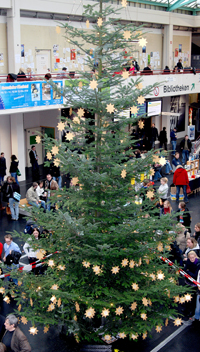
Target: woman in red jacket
{"x":181,"y":179}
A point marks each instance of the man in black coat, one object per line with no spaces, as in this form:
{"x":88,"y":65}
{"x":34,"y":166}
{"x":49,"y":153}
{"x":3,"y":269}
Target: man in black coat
{"x":163,"y":138}
{"x":186,"y":147}
{"x":34,"y":162}
{"x":153,"y":135}
{"x":2,"y":168}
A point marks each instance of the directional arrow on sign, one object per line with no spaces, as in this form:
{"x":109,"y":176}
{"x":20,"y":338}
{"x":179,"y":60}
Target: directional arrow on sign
{"x":193,"y":86}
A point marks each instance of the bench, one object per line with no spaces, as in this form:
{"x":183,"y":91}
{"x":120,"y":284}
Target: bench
{"x":22,"y":204}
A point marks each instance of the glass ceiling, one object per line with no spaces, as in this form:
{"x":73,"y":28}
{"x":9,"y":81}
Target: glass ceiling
{"x":172,"y":5}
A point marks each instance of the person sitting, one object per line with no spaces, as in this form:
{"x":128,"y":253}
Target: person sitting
{"x":191,"y":245}
{"x":40,"y":191}
{"x":47,"y":76}
{"x":167,"y":208}
{"x":196,"y":234}
{"x":166,"y":70}
{"x":181,"y":237}
{"x":176,"y":161}
{"x":132,"y":69}
{"x":31,"y":252}
{"x":21,"y":75}
{"x":135,"y":64}
{"x":147,"y":70}
{"x":192,"y":265}
{"x":32,"y":197}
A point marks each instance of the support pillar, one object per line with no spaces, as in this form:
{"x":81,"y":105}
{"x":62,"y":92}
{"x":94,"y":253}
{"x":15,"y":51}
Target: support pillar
{"x":14,"y":37}
{"x":168,"y":46}
{"x":18,"y":142}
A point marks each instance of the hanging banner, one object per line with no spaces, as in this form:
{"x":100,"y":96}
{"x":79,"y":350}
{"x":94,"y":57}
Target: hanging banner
{"x":28,"y":94}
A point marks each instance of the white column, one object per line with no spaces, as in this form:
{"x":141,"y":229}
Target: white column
{"x":167,"y":46}
{"x":14,"y":37}
{"x":5,"y":145}
{"x":18,"y":142}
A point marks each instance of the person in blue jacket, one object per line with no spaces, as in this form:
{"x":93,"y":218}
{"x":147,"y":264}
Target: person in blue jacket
{"x":173,"y":137}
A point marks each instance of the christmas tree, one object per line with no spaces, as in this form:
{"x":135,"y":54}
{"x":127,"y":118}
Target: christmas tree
{"x":102,"y":273}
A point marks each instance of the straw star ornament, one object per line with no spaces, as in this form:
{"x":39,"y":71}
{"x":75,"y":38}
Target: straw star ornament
{"x":99,"y":22}
{"x":131,"y":264}
{"x":110,"y":108}
{"x":86,"y":264}
{"x":69,"y":136}
{"x":58,"y":29}
{"x":55,"y":150}
{"x":134,"y":336}
{"x":141,"y":124}
{"x":24,"y":320}
{"x":119,"y":310}
{"x":33,"y":330}
{"x":80,"y":112}
{"x":127,"y":35}
{"x":158,"y":328}
{"x":142,"y":42}
{"x":61,"y":126}
{"x":105,"y":312}
{"x":135,"y":286}
{"x":87,"y":23}
{"x":49,"y":156}
{"x":124,"y":262}
{"x":178,"y":322}
{"x":38,"y":139}
{"x":56,"y":162}
{"x":145,"y":301}
{"x":143,"y":316}
{"x":122,"y":335}
{"x":46,"y":329}
{"x":125,"y":74}
{"x":74,"y":181}
{"x":140,"y":100}
{"x":139,"y":86}
{"x":115,"y":269}
{"x":93,"y":84}
{"x":134,"y":109}
{"x":90,"y":313}
{"x":123,"y":174}
{"x":150,"y":194}
{"x":133,"y":306}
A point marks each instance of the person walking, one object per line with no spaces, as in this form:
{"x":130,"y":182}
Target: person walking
{"x":163,"y":138}
{"x":180,"y":179}
{"x":14,"y":339}
{"x":186,"y":147}
{"x":2,"y":168}
{"x":14,"y":167}
{"x":11,"y":192}
{"x":173,"y":137}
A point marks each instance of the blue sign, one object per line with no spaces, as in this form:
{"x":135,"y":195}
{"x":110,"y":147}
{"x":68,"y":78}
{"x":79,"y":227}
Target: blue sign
{"x":142,"y":110}
{"x":29,"y":94}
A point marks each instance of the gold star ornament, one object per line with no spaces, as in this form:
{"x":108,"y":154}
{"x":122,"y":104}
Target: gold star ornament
{"x":97,"y":270}
{"x":41,"y":254}
{"x":99,"y":22}
{"x":160,"y":275}
{"x":105,"y":312}
{"x":87,"y":23}
{"x":141,"y":124}
{"x":24,"y":320}
{"x":93,"y":84}
{"x":125,"y":74}
{"x":150,"y":194}
{"x":46,"y":329}
{"x":160,"y":247}
{"x":38,"y":139}
{"x":76,"y":120}
{"x":188,"y":297}
{"x":115,"y":269}
{"x":162,"y":161}
{"x":51,"y":263}
{"x":58,"y":29}
{"x":119,"y":310}
{"x":55,"y":150}
{"x":142,"y":42}
{"x":77,"y":307}
{"x":122,"y":335}
{"x":135,"y":286}
{"x":158,"y":328}
{"x":74,"y":181}
{"x":110,"y":108}
{"x":80,"y":112}
{"x":51,"y":307}
{"x":69,"y":136}
{"x":7,"y":299}
{"x":123,"y":174}
{"x":134,"y":109}
{"x":143,"y":316}
{"x":139,"y":86}
{"x":178,"y":322}
{"x":54,"y":287}
{"x":90,"y":313}
{"x":86,"y":264}
{"x":61,"y":126}
{"x":33,"y":330}
{"x":56,"y":162}
{"x":133,"y":306}
{"x":145,"y":301}
{"x":2,"y":290}
{"x":124,"y":262}
{"x":49,"y":156}
{"x":127,"y":35}
{"x":131,"y":264}
{"x":134,"y":336}
{"x":140,"y":100}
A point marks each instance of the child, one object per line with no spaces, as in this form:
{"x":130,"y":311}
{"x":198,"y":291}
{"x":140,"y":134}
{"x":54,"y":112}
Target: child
{"x":163,"y":189}
{"x":167,"y":208}
{"x":40,"y":191}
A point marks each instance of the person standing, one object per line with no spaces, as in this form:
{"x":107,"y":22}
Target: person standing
{"x":173,"y":137}
{"x":153,"y":135}
{"x":181,"y":179}
{"x":14,"y":339}
{"x":14,"y":167}
{"x":186,"y":147}
{"x":2,"y":168}
{"x":163,"y":138}
{"x":179,"y":64}
{"x":50,"y":185}
{"x":34,"y":162}
{"x":8,"y":189}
